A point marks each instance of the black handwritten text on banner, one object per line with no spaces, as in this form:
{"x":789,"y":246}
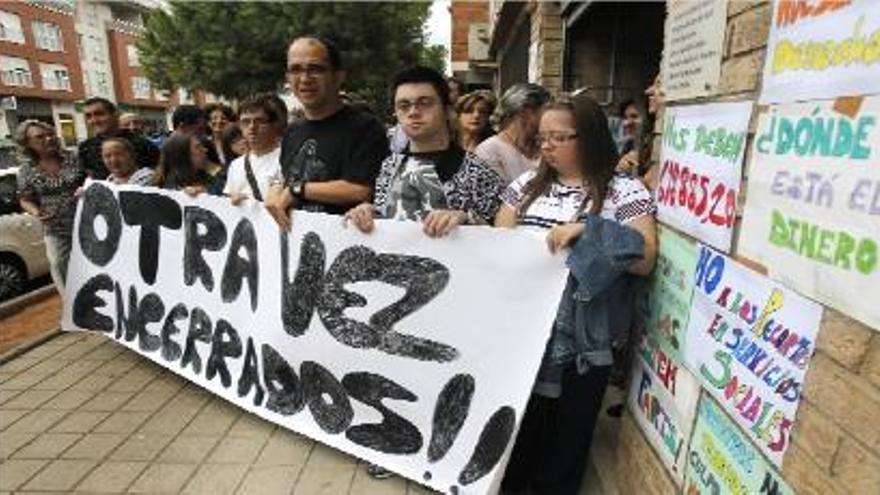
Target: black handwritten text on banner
{"x":393,"y":347}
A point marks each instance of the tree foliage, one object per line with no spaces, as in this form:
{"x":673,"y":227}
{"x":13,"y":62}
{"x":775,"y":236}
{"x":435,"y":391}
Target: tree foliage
{"x":235,"y":49}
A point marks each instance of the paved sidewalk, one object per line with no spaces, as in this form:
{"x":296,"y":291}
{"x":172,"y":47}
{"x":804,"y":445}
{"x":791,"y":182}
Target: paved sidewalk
{"x":82,"y":413}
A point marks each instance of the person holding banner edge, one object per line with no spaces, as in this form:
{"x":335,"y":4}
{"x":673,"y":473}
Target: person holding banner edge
{"x":608,"y":221}
{"x":433,"y":180}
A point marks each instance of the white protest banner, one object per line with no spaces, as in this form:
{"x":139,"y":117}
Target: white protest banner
{"x":663,"y":399}
{"x":701,"y":169}
{"x":821,"y":49}
{"x":393,"y":347}
{"x":750,"y":341}
{"x":722,"y":461}
{"x":812,"y":216}
{"x":693,"y":41}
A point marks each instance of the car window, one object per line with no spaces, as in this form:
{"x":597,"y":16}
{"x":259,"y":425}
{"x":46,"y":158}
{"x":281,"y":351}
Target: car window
{"x":8,"y":197}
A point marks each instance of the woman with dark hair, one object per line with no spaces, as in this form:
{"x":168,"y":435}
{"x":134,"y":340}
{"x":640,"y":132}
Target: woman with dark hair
{"x":607,"y":219}
{"x":47,"y":183}
{"x":514,"y":149}
{"x":627,"y":128}
{"x":233,"y":142}
{"x":472,"y":113}
{"x":637,"y":160}
{"x":184,"y":166}
{"x":220,"y":116}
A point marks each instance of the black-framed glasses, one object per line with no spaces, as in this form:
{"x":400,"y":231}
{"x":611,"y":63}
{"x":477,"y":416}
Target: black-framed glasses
{"x":556,"y":138}
{"x":420,"y":104}
{"x":308,"y":70}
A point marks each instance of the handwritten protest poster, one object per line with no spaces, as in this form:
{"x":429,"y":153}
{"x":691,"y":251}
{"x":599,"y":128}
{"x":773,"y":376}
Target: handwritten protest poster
{"x":750,"y":341}
{"x":670,"y":288}
{"x":821,"y":50}
{"x":701,"y":168}
{"x":663,"y":399}
{"x":813,"y":211}
{"x":722,"y":461}
{"x":393,"y":347}
{"x":693,"y":41}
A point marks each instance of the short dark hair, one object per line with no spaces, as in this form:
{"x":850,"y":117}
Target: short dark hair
{"x":271,"y":104}
{"x":186,"y":115}
{"x":334,"y":55}
{"x":421,"y":74}
{"x":228,"y":112}
{"x":107,"y":104}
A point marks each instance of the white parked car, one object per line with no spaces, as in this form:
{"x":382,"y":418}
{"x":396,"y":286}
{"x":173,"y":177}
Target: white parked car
{"x":22,"y":250}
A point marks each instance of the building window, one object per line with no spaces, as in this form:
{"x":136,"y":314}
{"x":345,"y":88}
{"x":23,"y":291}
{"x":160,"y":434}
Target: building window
{"x":10,"y":28}
{"x":55,"y":77}
{"x":15,"y":71}
{"x":140,"y":86}
{"x":163,"y":95}
{"x":133,"y":58}
{"x":67,"y":128}
{"x":48,"y":36}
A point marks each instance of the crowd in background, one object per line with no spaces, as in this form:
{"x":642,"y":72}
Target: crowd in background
{"x":524,"y":160}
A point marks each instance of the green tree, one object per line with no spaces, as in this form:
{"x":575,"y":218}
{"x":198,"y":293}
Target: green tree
{"x":238,"y":48}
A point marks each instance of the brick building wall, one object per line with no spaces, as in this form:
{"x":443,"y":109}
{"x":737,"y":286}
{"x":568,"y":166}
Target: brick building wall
{"x":124,"y":71}
{"x":835,"y":442}
{"x":69,"y":56}
{"x":463,"y":15}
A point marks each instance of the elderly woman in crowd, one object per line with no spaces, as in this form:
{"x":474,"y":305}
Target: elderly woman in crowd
{"x":472,"y":113}
{"x":118,"y":156}
{"x":514,"y":149}
{"x":47,"y":183}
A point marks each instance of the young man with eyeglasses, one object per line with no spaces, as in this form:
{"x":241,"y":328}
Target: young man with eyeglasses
{"x":330,"y":159}
{"x":433,"y":181}
{"x":263,"y":119}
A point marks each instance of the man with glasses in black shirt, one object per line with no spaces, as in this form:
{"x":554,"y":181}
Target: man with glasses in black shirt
{"x":330,"y":159}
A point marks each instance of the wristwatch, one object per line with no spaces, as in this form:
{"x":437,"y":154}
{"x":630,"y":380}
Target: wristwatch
{"x":298,"y":189}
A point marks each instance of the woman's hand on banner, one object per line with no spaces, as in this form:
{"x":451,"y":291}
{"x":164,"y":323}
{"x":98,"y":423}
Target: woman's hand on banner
{"x":563,"y":236}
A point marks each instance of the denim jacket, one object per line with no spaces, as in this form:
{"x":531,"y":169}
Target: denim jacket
{"x":597,"y":305}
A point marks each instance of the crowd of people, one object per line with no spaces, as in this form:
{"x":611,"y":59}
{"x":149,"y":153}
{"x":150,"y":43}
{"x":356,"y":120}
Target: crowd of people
{"x":526,"y":161}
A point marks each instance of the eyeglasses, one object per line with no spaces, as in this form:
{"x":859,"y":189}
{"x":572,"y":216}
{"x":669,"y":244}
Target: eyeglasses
{"x":255,"y":121}
{"x":556,"y":138}
{"x":308,"y":70}
{"x":421,"y":104}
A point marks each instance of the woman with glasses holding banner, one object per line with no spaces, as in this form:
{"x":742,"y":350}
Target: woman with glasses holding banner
{"x":607,"y":219}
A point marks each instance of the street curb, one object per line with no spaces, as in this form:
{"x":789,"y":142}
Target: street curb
{"x":30,"y":344}
{"x":14,"y":305}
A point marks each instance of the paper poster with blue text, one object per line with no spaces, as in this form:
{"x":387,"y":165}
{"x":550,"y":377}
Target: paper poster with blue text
{"x":812,"y":215}
{"x":821,"y":49}
{"x":701,"y":169}
{"x":722,"y":460}
{"x":750,"y":341}
{"x":392,"y":346}
{"x":670,"y":288}
{"x":663,"y":399}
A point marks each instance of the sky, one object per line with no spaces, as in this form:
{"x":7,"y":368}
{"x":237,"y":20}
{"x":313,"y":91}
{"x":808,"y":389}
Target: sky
{"x":440,"y":27}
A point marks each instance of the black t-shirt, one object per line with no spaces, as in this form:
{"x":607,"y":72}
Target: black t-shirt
{"x":348,"y":145}
{"x":146,"y":153}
